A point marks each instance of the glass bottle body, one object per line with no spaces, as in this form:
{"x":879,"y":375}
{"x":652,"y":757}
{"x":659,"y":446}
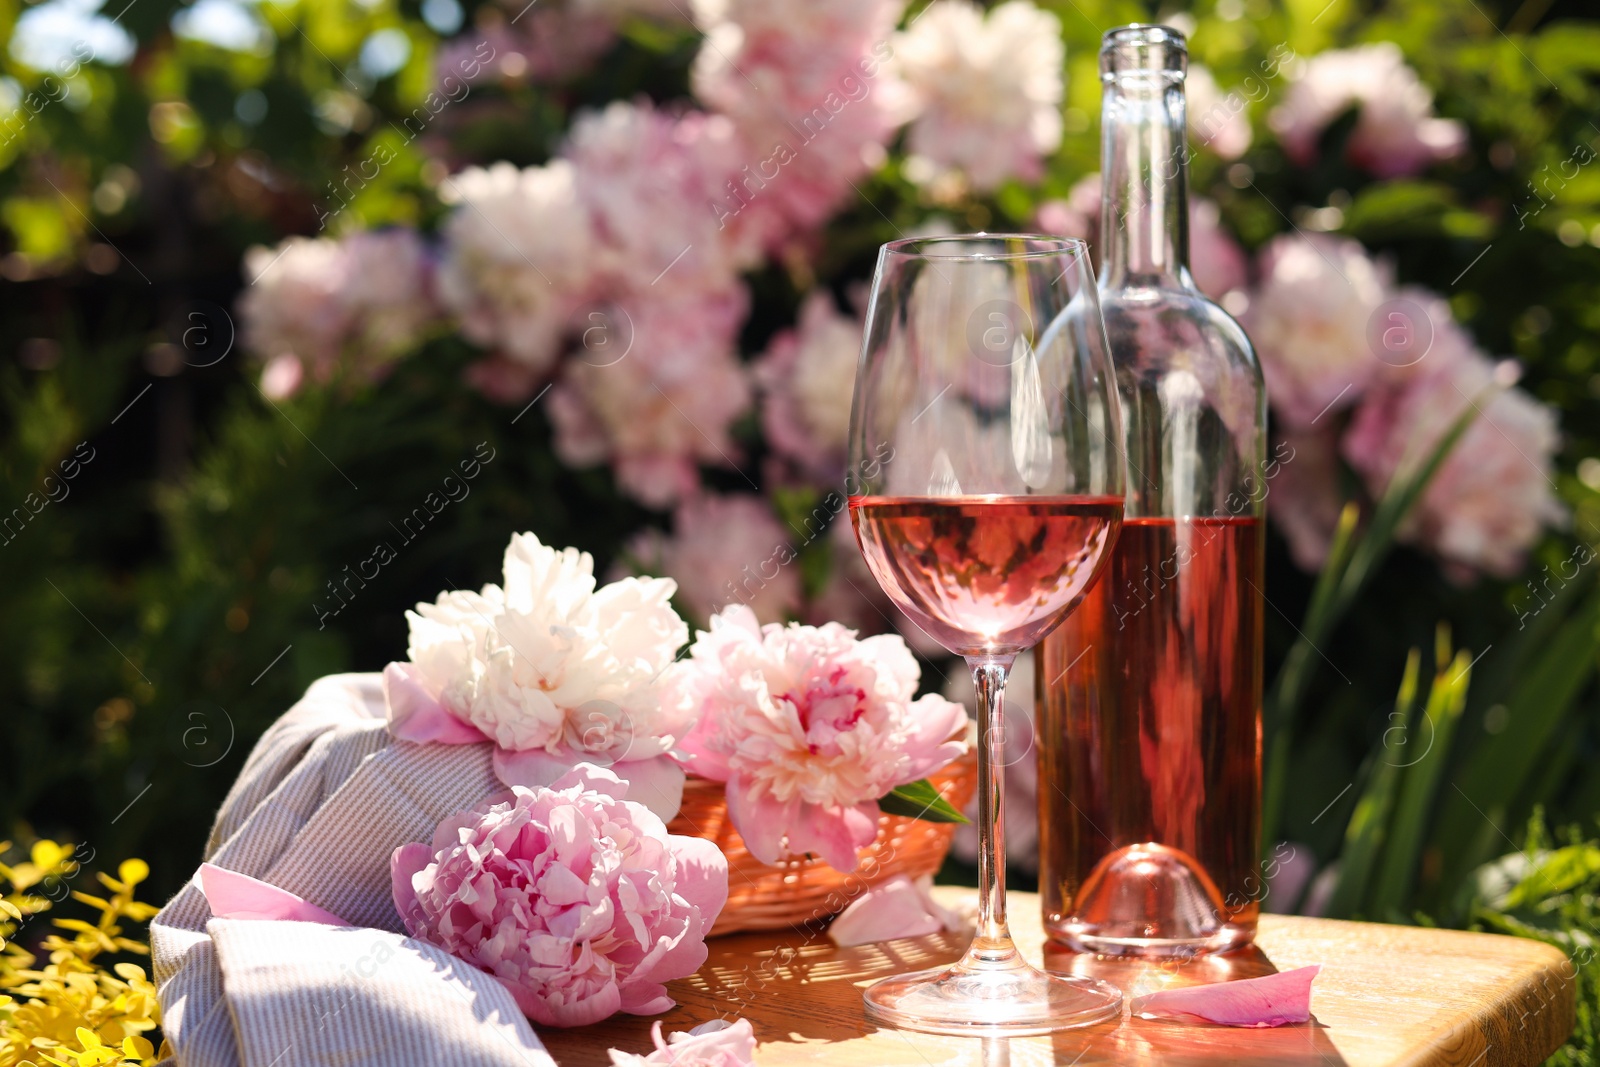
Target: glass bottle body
{"x":1149,"y":697}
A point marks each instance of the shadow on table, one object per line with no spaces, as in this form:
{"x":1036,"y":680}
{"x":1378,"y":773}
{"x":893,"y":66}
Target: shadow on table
{"x":795,"y":985}
{"x":798,"y":988}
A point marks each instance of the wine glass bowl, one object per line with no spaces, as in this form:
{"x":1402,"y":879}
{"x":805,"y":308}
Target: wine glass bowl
{"x":986,"y":491}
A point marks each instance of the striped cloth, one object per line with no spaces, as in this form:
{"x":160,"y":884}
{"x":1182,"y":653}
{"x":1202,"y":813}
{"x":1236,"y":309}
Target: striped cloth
{"x":324,"y":799}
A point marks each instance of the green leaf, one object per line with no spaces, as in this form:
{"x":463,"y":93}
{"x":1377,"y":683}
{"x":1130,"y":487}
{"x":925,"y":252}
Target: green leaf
{"x":1499,"y":768}
{"x":919,"y":800}
{"x":1351,"y":562}
{"x":1368,"y":829}
{"x":1402,"y":856}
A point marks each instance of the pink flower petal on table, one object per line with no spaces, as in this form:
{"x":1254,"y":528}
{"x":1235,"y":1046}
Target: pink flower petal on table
{"x":1271,"y":1000}
{"x":717,"y":1043}
{"x":892,"y":909}
{"x":414,"y":715}
{"x":232,"y":895}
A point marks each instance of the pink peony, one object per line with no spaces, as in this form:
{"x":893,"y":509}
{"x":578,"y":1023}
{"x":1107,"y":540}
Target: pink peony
{"x":520,"y":260}
{"x":550,"y":669}
{"x":1309,"y":319}
{"x":576,"y":899}
{"x":651,"y":180}
{"x":725,"y":550}
{"x":800,"y":80}
{"x":808,"y":726}
{"x":1494,"y":495}
{"x":804,"y":376}
{"x":348,"y":305}
{"x":982,"y":90}
{"x":1396,"y":135}
{"x":717,"y":1043}
{"x":665,"y":405}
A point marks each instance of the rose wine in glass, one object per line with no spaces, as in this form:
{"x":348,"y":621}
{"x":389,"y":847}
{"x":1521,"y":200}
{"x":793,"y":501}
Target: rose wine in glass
{"x":986,"y":491}
{"x":1004,"y":569}
{"x":1149,"y":697}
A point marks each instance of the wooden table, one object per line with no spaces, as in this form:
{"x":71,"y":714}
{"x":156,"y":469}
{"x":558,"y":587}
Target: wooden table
{"x":1387,"y":995}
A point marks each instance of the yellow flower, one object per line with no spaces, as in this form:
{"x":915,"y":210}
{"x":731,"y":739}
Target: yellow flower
{"x":75,"y":1011}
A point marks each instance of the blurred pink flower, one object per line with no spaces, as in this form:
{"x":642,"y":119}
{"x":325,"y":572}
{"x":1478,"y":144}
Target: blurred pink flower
{"x":1309,"y":318}
{"x":717,"y":1043}
{"x":662,"y":401}
{"x":1218,"y":122}
{"x":725,"y":550}
{"x":1492,"y":498}
{"x":982,"y":90}
{"x":577,"y":900}
{"x":1216,"y":261}
{"x":809,"y":726}
{"x":1396,"y":134}
{"x":282,"y":376}
{"x":348,"y":305}
{"x":1022,"y":767}
{"x":650,"y":180}
{"x":805,"y":377}
{"x":519,"y":259}
{"x":800,"y":81}
{"x":1303,"y":497}
{"x":1076,"y":216}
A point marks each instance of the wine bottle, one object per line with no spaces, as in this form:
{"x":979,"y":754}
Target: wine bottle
{"x":1149,"y":697}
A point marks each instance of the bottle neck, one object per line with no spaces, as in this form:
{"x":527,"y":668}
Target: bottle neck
{"x":1144,"y":221}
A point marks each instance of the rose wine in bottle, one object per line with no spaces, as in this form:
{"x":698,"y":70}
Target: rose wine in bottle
{"x":1149,"y":697}
{"x":985,"y":574}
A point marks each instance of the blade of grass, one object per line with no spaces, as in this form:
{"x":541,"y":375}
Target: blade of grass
{"x":1344,"y":576}
{"x":1367,"y":830}
{"x":1391,"y":888}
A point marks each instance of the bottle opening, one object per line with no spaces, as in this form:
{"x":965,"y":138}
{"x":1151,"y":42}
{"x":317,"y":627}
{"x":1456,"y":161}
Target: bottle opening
{"x":1143,"y":49}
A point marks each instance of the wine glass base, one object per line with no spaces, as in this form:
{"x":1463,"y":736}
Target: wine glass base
{"x":1005,"y":1002}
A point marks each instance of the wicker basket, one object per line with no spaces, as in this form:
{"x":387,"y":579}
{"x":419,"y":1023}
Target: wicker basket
{"x":798,"y":889}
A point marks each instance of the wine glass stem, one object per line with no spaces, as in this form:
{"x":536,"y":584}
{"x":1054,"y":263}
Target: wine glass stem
{"x":992,"y":946}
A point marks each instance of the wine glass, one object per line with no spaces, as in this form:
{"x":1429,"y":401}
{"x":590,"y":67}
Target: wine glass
{"x":986,"y":486}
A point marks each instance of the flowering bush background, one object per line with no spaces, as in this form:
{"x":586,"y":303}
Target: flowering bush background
{"x":278,"y":275}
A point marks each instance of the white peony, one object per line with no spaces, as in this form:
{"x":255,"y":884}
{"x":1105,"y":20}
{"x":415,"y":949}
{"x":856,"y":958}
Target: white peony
{"x":983,"y":94}
{"x":520,"y":257}
{"x":548,"y":661}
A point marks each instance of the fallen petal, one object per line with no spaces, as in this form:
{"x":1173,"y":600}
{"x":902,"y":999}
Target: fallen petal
{"x":717,"y":1043}
{"x":1271,"y":1000}
{"x":896,"y":908}
{"x":232,"y":895}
